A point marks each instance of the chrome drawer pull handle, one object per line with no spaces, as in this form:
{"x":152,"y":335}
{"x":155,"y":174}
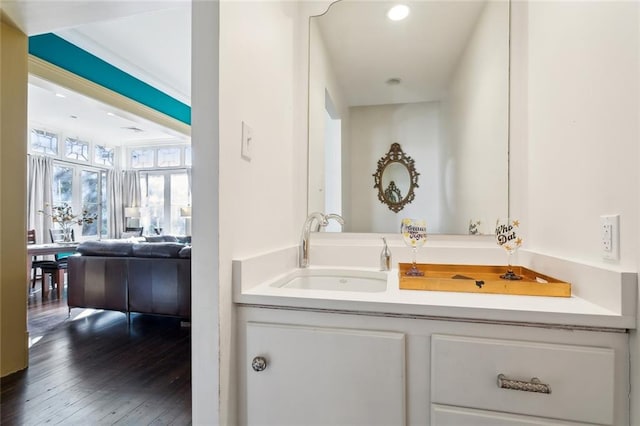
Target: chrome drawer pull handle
{"x":259,"y":363}
{"x":532,"y":386}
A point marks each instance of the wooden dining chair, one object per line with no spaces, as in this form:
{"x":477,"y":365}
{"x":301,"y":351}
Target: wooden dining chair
{"x":139,"y":230}
{"x":37,"y":263}
{"x":57,"y":268}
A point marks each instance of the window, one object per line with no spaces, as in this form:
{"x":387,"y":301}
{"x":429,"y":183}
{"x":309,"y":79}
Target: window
{"x":162,"y":157}
{"x":153,"y":200}
{"x":164,"y":193}
{"x":83,"y":189}
{"x":179,"y":199}
{"x":75,"y":149}
{"x":168,"y":157}
{"x":104,"y":155}
{"x":89,"y":181}
{"x":187,"y":156}
{"x":62,"y":185}
{"x":44,"y":142}
{"x":142,"y":158}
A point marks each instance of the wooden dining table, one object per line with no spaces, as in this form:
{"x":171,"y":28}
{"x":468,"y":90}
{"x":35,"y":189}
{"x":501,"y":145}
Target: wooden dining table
{"x":49,"y":249}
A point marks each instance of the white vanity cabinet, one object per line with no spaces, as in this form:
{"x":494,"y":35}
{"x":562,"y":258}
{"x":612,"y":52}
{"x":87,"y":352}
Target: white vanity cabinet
{"x":300,"y":375}
{"x":326,"y":368}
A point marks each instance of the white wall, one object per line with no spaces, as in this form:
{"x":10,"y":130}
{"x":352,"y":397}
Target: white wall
{"x":576,"y":118}
{"x":575,"y":115}
{"x":205,"y":285}
{"x":322,"y":80}
{"x":333,"y":167}
{"x":262,"y":203}
{"x":583,"y":127}
{"x":475,"y":125}
{"x":416,"y":127}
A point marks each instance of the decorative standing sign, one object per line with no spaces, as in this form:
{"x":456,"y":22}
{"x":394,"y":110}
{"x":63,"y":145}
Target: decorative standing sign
{"x":508,"y":237}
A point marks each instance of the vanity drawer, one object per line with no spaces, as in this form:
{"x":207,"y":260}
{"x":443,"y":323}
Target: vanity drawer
{"x":444,"y":415}
{"x":465,"y":372}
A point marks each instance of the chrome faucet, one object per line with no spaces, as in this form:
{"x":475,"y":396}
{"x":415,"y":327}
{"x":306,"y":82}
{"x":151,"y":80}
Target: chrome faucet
{"x":385,"y":256}
{"x":321,"y":221}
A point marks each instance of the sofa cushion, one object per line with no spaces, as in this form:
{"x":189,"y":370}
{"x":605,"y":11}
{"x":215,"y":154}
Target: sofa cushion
{"x":113,"y":248}
{"x":186,"y":239}
{"x":165,"y":250}
{"x":136,"y":239}
{"x":129,"y":234}
{"x":185,"y":252}
{"x":161,"y":239}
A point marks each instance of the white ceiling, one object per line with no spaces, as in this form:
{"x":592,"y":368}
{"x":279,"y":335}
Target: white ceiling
{"x":367,"y":49}
{"x":154,"y":47}
{"x":38,"y":17}
{"x":151,"y":40}
{"x":79,"y":116}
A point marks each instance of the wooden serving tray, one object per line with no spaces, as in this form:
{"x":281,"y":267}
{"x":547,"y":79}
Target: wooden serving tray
{"x":481,"y":279}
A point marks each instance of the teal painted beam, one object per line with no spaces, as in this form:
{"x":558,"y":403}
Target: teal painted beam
{"x":51,"y":48}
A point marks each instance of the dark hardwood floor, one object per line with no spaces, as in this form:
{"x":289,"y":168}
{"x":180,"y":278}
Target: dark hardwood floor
{"x":95,"y":369}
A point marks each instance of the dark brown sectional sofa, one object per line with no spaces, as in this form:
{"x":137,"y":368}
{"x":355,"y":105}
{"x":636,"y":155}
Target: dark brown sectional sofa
{"x":142,"y":277}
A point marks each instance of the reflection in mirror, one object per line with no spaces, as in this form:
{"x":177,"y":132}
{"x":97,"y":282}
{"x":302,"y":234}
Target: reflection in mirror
{"x":396,"y":178}
{"x":395,"y":183}
{"x":436,"y":82}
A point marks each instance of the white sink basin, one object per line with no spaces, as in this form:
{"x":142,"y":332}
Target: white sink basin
{"x":335,"y":280}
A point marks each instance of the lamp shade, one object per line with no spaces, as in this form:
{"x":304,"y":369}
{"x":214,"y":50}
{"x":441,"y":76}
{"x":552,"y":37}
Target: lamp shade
{"x":185,"y":211}
{"x":132,"y":212}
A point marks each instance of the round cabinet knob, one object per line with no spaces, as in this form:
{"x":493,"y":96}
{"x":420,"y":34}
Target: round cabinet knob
{"x":259,"y":363}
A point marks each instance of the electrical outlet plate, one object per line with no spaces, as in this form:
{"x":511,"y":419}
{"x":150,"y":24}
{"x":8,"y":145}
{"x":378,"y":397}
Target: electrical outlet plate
{"x":610,"y":237}
{"x":247,"y":141}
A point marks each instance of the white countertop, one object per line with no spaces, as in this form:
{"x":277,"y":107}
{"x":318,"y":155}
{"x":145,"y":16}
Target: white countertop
{"x":253,"y":279}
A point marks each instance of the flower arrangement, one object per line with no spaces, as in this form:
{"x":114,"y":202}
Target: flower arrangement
{"x":64,"y":217}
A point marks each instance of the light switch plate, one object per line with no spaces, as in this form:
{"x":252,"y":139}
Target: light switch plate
{"x":247,"y":141}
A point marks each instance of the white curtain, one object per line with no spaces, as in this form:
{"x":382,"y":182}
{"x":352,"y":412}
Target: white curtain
{"x":189,"y":183}
{"x":39,"y":195}
{"x":115,"y":208}
{"x":131,"y":193}
{"x":124,"y":191}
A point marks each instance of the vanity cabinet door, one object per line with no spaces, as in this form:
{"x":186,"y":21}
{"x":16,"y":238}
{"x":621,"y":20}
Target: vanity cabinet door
{"x":297,"y":375}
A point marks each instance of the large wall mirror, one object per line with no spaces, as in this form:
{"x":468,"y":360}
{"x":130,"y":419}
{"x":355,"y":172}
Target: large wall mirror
{"x":437,"y":83}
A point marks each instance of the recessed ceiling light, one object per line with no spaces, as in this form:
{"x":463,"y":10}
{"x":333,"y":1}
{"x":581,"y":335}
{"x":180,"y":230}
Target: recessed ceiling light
{"x":398,"y":12}
{"x":60,"y":95}
{"x":73,"y":116}
{"x":110,"y":114}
